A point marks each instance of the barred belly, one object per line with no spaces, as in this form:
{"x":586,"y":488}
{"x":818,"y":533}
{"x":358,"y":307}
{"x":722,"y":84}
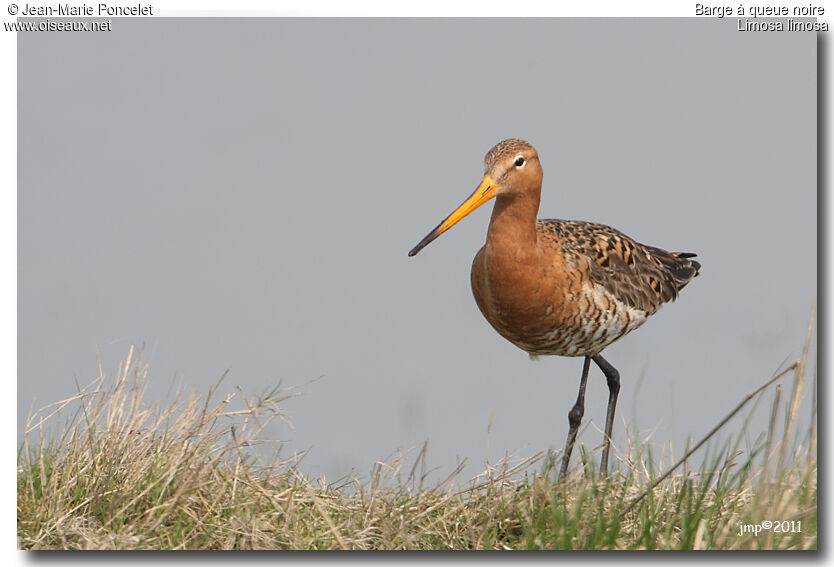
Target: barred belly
{"x":597,"y":320}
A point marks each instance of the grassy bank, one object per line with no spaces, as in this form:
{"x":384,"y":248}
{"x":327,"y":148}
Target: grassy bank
{"x":106,"y":470}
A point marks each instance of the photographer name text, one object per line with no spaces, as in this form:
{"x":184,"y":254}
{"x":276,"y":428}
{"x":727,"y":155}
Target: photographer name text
{"x":87,"y":10}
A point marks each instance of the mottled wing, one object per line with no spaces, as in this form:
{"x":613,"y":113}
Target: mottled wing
{"x":642,"y":277}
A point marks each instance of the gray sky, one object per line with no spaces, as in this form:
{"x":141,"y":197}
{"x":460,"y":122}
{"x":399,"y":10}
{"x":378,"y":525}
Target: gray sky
{"x":242,"y":193}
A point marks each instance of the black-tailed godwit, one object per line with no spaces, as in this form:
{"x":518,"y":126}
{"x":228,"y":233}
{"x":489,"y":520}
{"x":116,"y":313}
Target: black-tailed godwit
{"x":567,"y":288}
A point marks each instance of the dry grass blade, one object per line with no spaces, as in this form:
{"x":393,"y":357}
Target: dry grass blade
{"x":771,"y":430}
{"x":797,"y":388}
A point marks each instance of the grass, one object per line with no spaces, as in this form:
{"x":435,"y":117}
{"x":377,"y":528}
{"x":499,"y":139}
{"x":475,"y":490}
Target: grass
{"x":122,"y":474}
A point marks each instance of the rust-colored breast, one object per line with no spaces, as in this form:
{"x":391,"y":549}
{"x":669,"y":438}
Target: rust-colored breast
{"x":586,"y":286}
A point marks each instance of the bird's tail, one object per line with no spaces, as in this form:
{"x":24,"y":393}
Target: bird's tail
{"x":679,"y":265}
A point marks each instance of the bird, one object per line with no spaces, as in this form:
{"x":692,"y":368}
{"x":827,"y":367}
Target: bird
{"x":561,"y":287}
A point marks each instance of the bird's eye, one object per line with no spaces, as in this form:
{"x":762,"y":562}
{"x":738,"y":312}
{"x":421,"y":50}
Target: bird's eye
{"x":519,"y":161}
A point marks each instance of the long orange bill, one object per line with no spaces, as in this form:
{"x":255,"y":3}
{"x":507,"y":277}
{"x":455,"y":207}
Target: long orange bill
{"x":484,"y":192}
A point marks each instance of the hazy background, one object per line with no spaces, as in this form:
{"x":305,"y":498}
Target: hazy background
{"x":241,"y":194}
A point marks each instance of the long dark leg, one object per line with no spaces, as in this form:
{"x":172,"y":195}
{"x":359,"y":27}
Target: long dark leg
{"x":575,"y":417}
{"x":613,"y":378}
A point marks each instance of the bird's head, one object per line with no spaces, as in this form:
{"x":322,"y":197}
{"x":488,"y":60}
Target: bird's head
{"x":511,"y":168}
